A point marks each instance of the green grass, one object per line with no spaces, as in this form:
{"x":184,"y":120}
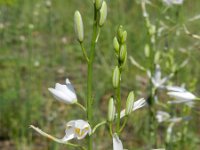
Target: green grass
{"x":38,"y":48}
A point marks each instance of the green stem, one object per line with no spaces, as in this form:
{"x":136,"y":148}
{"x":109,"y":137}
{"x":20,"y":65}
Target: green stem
{"x":90,"y":77}
{"x":81,"y":106}
{"x":98,"y":125}
{"x":84,"y":52}
{"x":118,"y":94}
{"x":124,"y":123}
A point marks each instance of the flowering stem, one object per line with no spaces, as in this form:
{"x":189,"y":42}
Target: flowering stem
{"x":81,"y":106}
{"x":118,"y":94}
{"x":90,"y":77}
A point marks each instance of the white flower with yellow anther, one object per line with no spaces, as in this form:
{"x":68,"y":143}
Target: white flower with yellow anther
{"x":138,"y":104}
{"x":117,"y":144}
{"x":76,"y":129}
{"x":64,"y":93}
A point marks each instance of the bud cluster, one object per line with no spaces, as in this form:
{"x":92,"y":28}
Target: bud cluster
{"x":120,"y":46}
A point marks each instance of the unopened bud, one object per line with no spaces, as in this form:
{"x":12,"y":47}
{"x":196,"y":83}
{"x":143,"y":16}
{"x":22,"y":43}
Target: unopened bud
{"x":103,"y":14}
{"x":78,"y":26}
{"x":116,"y":77}
{"x":124,"y":36}
{"x":111,"y":110}
{"x":129,"y":103}
{"x":123,"y":53}
{"x":157,"y":57}
{"x":98,"y":4}
{"x":116,"y":45}
{"x":120,"y":33}
{"x":147,"y":50}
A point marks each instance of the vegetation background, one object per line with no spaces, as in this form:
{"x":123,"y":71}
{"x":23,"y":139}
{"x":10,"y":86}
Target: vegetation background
{"x":38,"y":48}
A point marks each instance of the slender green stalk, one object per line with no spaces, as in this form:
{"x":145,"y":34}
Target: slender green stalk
{"x":98,"y":125}
{"x":84,"y":52}
{"x":118,"y":94}
{"x":124,"y":123}
{"x":90,"y":77}
{"x":81,"y":106}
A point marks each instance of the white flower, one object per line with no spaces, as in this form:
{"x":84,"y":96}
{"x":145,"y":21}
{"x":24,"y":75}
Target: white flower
{"x":183,"y":96}
{"x":76,"y":129}
{"x":175,"y":89}
{"x":173,"y":2}
{"x":156,"y":79}
{"x":64,"y":93}
{"x":117,"y":144}
{"x":162,"y":116}
{"x":138,"y":104}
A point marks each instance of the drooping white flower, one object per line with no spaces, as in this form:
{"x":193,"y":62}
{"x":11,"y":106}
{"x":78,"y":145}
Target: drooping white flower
{"x":64,"y":93}
{"x":173,"y":2}
{"x":138,"y":104}
{"x":162,"y":116}
{"x":117,"y":144}
{"x":76,"y":129}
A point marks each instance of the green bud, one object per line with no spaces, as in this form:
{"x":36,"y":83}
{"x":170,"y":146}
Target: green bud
{"x":78,"y":26}
{"x":116,"y":45}
{"x":116,"y":77}
{"x":124,"y":36}
{"x":123,"y":53}
{"x":120,"y":33}
{"x":98,"y":4}
{"x":157,"y":57}
{"x":129,"y":103}
{"x":147,"y":50}
{"x":103,"y":14}
{"x":111,"y":110}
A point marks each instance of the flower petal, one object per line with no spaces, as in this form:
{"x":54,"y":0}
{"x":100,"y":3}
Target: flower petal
{"x":138,"y":104}
{"x":69,"y":134}
{"x":117,"y":144}
{"x":61,"y":96}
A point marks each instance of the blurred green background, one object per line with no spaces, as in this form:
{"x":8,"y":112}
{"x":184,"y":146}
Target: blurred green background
{"x":38,"y":48}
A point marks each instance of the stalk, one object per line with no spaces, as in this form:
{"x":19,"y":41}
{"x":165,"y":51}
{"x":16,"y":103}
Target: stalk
{"x":90,"y":77}
{"x":118,"y":94}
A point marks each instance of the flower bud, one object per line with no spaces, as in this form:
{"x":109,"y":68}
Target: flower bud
{"x":103,"y":14}
{"x":111,"y":110}
{"x":78,"y":26}
{"x":124,"y":36}
{"x":116,"y":45}
{"x":120,"y":33}
{"x":98,"y":4}
{"x":116,"y":77}
{"x":129,"y":103}
{"x":123,"y":53}
{"x":147,"y":50}
{"x":157,"y":57}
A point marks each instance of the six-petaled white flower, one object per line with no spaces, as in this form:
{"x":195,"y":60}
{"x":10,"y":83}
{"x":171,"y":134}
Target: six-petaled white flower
{"x":76,"y":129}
{"x":117,"y":144}
{"x":156,"y":79}
{"x":64,"y":93}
